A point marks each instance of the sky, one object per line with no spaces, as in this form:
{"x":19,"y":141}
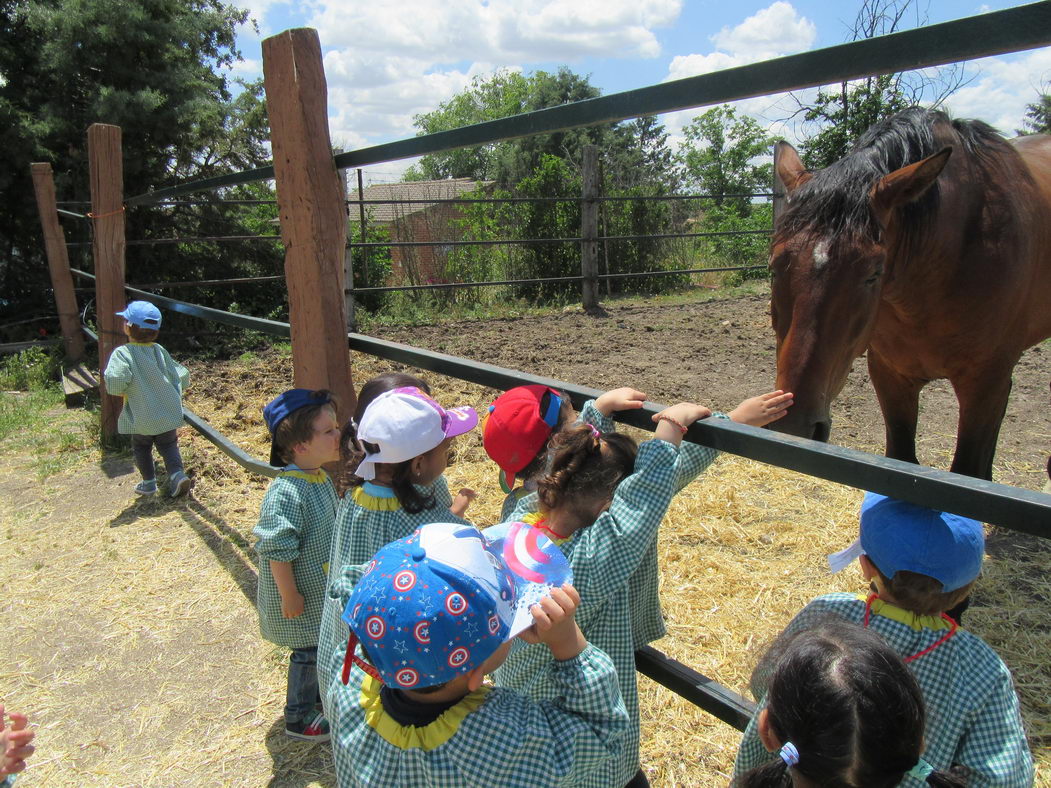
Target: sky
{"x":388,"y":60}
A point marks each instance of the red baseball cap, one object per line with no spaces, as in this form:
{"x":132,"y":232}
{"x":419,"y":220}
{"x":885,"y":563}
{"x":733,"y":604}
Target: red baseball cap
{"x":515,"y":430}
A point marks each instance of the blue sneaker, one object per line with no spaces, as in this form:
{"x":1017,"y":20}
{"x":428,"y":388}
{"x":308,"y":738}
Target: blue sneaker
{"x":146,"y":487}
{"x":178,"y":484}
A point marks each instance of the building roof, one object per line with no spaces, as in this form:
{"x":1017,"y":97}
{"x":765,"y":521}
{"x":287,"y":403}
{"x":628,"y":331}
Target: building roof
{"x":384,"y":213}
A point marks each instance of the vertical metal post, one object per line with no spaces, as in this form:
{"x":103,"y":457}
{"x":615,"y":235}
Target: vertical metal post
{"x":58,"y":262}
{"x":106,"y":169}
{"x":589,"y":229}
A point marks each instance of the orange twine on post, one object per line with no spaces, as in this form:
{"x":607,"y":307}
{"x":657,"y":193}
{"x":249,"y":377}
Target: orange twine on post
{"x":104,"y":215}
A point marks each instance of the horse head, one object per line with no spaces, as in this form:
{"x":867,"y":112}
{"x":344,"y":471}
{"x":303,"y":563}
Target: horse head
{"x":831,"y":260}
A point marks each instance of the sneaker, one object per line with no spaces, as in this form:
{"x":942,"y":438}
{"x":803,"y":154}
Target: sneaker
{"x":146,"y":487}
{"x":313,"y":727}
{"x":178,"y":484}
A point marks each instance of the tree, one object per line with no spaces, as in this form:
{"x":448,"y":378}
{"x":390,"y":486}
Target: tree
{"x":1037,"y":116}
{"x":837,"y":117}
{"x":156,"y":68}
{"x":718,"y":157}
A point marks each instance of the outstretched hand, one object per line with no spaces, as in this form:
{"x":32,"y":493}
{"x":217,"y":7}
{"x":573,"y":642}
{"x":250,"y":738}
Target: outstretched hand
{"x":14,"y":743}
{"x":462,"y":501}
{"x":624,"y":398}
{"x":760,"y":411}
{"x":672,"y":422}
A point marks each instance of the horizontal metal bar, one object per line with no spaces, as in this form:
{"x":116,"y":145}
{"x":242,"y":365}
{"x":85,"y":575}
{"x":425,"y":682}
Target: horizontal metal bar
{"x":994,"y":33}
{"x":208,"y":239}
{"x":231,"y":450}
{"x":246,"y":280}
{"x":468,"y":200}
{"x":999,"y":504}
{"x":710,"y":695}
{"x":526,"y":241}
{"x":74,"y":214}
{"x":18,"y":347}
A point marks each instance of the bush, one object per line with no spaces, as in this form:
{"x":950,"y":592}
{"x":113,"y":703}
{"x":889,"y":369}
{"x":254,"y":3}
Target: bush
{"x":34,"y":369}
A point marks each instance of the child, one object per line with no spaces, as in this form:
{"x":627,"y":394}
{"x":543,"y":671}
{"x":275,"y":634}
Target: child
{"x":410,"y":708}
{"x":404,"y":438}
{"x":602,"y":502}
{"x":843,"y":710}
{"x":15,"y":746}
{"x":521,"y":422}
{"x":294,"y":535}
{"x":152,"y":385}
{"x":922,"y":563}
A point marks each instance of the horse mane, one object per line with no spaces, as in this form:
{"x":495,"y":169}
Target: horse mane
{"x":836,"y":199}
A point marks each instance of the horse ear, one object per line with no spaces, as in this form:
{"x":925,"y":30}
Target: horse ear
{"x":790,"y":168}
{"x":906,"y":185}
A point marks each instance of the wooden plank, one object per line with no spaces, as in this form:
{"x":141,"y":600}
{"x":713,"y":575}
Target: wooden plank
{"x":107,"y":211}
{"x":589,"y":229}
{"x":312,"y":211}
{"x":77,"y":382}
{"x":58,"y":261}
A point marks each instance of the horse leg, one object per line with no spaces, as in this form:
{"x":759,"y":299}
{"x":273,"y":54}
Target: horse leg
{"x":983,"y":402}
{"x":899,"y":399}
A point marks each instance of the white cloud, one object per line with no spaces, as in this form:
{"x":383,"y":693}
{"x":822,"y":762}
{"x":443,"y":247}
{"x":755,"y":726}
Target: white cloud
{"x":1003,"y":88}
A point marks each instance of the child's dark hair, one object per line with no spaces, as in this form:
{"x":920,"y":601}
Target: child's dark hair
{"x":585,"y":469}
{"x":140,"y":334}
{"x":921,"y":594}
{"x":298,"y":426}
{"x":850,"y":706}
{"x":351,"y":450}
{"x":538,"y":465}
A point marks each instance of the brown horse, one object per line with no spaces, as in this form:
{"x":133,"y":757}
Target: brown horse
{"x":929,"y":247}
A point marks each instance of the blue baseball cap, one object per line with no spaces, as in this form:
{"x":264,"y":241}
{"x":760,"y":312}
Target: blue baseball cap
{"x":142,"y":314}
{"x":440,"y":602}
{"x":897,"y":535}
{"x":284,"y":405}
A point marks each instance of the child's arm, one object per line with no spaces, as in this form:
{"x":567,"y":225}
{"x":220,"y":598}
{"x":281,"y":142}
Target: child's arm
{"x":554,"y":623}
{"x":994,"y":747}
{"x":291,"y":600}
{"x":15,"y":744}
{"x":763,"y":409}
{"x":118,"y":372}
{"x":598,"y":412}
{"x":462,"y":501}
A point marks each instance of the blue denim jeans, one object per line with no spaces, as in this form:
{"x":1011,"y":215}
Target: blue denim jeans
{"x":302,"y":693}
{"x":168,"y":446}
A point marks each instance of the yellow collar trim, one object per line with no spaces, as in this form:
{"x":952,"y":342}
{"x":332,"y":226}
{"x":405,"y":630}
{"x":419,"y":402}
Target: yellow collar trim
{"x":142,"y":344}
{"x":374,"y":503}
{"x":318,"y":477}
{"x":906,"y":617}
{"x":535,"y":517}
{"x":408,"y":737}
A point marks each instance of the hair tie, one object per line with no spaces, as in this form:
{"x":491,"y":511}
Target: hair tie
{"x":789,"y":754}
{"x":594,"y":431}
{"x":353,"y":425}
{"x":921,"y":771}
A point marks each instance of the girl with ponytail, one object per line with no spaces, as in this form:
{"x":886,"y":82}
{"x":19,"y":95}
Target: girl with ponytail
{"x":602,"y":501}
{"x":843,"y":711}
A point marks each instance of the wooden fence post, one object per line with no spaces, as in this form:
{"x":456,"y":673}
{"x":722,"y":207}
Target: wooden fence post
{"x":58,"y":262}
{"x":312,"y":209}
{"x":589,"y":229}
{"x":106,"y":168}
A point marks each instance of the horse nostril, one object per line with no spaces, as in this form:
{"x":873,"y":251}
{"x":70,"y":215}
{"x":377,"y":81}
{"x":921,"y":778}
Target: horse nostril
{"x":821,"y":431}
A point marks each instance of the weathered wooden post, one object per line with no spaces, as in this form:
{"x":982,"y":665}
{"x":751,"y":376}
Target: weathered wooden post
{"x":58,"y":262}
{"x":589,"y":229}
{"x":313,"y":215}
{"x":106,"y":169}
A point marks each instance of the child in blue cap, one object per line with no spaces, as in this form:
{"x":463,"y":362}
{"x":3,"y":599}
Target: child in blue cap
{"x":294,"y":536}
{"x":922,"y":563}
{"x":429,"y":616}
{"x":152,"y":385}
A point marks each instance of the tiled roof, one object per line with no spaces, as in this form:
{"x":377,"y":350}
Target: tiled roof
{"x":410,"y":190}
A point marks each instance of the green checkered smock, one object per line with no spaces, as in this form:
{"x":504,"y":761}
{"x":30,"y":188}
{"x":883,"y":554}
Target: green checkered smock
{"x":973,"y":717}
{"x":369,"y":517}
{"x":614,"y":565}
{"x":493,"y":738}
{"x":589,"y":414}
{"x":151,"y":384}
{"x":295,"y":525}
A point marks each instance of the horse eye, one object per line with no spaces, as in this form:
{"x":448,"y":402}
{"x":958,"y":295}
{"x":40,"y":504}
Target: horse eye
{"x":875,"y":277}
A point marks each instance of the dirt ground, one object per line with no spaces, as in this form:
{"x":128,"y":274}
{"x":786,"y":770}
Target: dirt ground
{"x":721,"y":352}
{"x":129,"y":630}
